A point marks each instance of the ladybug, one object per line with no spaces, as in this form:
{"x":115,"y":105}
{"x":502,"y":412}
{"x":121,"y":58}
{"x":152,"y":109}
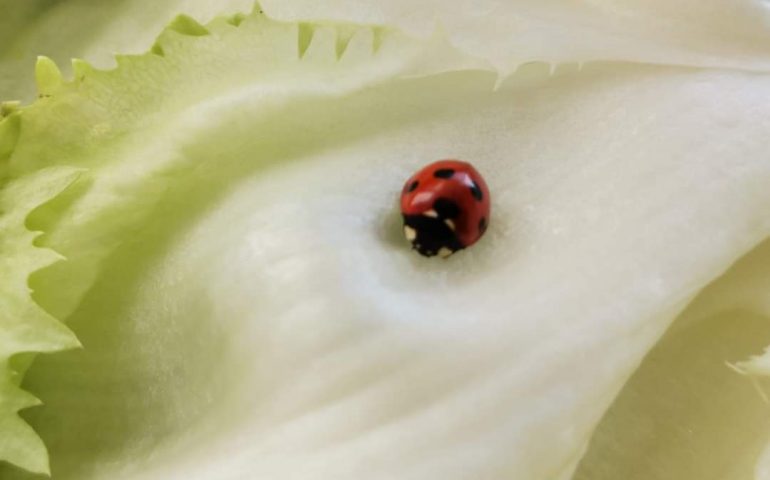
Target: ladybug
{"x":445,"y":208}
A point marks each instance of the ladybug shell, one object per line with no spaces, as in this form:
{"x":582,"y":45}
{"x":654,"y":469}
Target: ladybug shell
{"x":446,"y":207}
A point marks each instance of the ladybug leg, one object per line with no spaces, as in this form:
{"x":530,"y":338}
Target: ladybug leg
{"x":410,"y":233}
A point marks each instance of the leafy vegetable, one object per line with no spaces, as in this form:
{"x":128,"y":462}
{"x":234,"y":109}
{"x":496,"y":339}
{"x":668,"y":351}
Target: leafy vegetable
{"x":684,"y":413}
{"x":703,"y":33}
{"x":25,"y":327}
{"x":247,"y":309}
{"x":91,"y":29}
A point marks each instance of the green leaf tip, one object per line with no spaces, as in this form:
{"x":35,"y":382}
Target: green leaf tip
{"x":304,"y":37}
{"x":157,"y":49}
{"x":10,"y":127}
{"x":7,"y":108}
{"x":257,"y":9}
{"x":47,"y":76}
{"x":187,"y":25}
{"x":81,"y":68}
{"x":22,"y":447}
{"x":344,"y":35}
{"x":379,"y":38}
{"x":236,"y":20}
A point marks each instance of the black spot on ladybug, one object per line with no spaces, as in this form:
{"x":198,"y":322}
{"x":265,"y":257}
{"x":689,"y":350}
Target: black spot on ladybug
{"x":446,"y":208}
{"x":432,"y":234}
{"x":476,"y":191}
{"x":482,"y":225}
{"x":411,"y":187}
{"x":444,"y":173}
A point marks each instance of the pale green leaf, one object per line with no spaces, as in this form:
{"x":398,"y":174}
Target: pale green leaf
{"x":235,"y":270}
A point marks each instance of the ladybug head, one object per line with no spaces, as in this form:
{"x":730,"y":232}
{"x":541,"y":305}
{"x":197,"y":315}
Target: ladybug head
{"x":432,"y":232}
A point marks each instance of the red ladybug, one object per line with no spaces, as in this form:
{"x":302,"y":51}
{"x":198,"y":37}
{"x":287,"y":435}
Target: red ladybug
{"x":445,"y":207}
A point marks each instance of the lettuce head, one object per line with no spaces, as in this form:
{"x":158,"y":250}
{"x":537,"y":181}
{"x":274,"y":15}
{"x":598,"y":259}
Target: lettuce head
{"x":201,"y":236}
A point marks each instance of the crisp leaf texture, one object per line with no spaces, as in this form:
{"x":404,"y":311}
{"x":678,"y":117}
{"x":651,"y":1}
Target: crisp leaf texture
{"x":92,"y":29}
{"x":235,"y":271}
{"x":686,"y":412}
{"x":713,"y":33}
{"x":24,"y":326}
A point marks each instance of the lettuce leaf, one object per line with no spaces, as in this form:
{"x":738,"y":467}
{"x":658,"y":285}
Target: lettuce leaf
{"x":75,"y":123}
{"x":24,"y":326}
{"x":91,"y":29}
{"x":235,"y":272}
{"x":703,"y":33}
{"x":685,"y":410}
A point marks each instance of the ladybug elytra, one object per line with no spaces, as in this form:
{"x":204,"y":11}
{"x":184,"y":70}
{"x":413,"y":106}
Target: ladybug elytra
{"x":445,"y":207}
